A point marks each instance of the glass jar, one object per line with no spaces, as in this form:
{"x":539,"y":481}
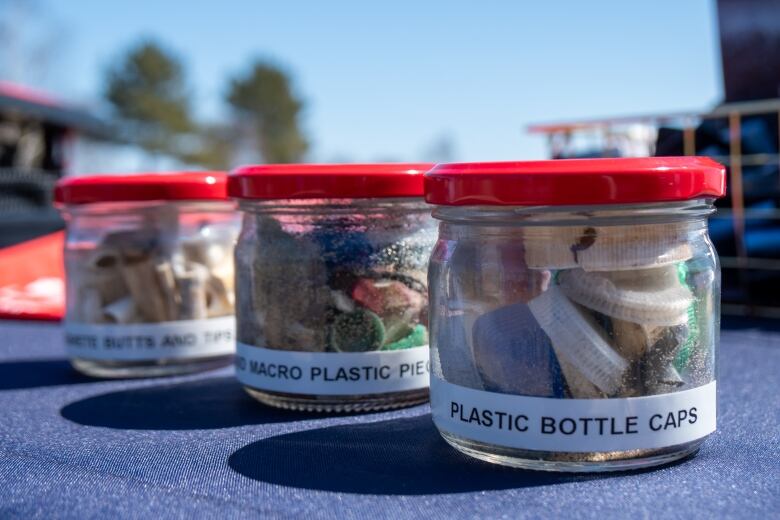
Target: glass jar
{"x":332,"y":285}
{"x":149,"y":273}
{"x":575,"y":310}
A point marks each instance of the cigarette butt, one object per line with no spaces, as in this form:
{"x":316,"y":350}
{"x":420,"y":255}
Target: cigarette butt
{"x":104,"y":258}
{"x":166,"y":280}
{"x":205,"y":252}
{"x":90,"y":306}
{"x":132,"y":245}
{"x":108,"y":282}
{"x":225,"y":272}
{"x":97,"y":269}
{"x":218,"y":299}
{"x":153,"y":288}
{"x":192,"y":294}
{"x":121,"y":311}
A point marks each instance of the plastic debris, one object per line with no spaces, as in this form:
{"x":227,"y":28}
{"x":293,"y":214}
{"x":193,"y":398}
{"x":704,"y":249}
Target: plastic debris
{"x":606,"y":248}
{"x":417,"y":338}
{"x":332,"y":288}
{"x":645,"y":296}
{"x":577,"y":339}
{"x":358,"y":331}
{"x":514,"y":355}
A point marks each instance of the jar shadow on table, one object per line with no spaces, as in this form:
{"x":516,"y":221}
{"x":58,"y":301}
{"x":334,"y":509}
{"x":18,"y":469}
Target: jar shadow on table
{"x":395,"y":457}
{"x":217,"y":402}
{"x":23,"y":374}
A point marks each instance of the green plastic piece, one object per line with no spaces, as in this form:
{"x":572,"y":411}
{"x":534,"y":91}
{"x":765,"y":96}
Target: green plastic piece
{"x":417,"y":338}
{"x":358,"y":331}
{"x":396,"y":330}
{"x":684,"y":354}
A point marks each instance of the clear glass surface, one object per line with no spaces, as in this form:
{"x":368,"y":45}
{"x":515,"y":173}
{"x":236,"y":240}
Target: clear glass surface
{"x":330,"y":276}
{"x":146,"y":263}
{"x":576,"y":302}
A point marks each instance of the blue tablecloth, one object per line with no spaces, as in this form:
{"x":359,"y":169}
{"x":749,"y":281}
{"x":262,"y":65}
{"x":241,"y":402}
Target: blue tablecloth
{"x":197,"y":446}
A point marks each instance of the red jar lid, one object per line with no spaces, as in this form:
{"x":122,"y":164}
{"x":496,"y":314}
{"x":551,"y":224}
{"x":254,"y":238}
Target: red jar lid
{"x":141,"y":187}
{"x":327,"y":181}
{"x":571,"y":182}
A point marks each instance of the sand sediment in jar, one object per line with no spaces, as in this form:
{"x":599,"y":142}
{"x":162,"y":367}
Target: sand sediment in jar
{"x":351,"y":282}
{"x":603,"y":461}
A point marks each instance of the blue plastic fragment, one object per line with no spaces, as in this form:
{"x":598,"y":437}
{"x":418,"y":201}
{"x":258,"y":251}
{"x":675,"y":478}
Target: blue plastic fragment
{"x":514,"y":355}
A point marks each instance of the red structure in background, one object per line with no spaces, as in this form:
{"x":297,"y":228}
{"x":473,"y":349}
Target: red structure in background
{"x":32,"y":279}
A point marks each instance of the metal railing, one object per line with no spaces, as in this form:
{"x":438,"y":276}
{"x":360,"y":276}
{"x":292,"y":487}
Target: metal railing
{"x":26,"y":209}
{"x":604,"y":136}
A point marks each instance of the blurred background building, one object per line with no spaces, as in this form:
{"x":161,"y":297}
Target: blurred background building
{"x":38,"y":140}
{"x":43,"y":139}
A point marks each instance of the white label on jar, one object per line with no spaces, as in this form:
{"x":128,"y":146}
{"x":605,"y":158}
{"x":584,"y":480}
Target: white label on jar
{"x":333,"y":373}
{"x":149,"y":341}
{"x":573,"y":425}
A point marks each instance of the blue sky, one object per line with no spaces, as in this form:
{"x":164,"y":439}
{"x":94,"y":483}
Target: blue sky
{"x":389,"y":80}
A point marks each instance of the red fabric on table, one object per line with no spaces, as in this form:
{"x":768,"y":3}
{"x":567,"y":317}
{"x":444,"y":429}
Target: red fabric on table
{"x":32,"y":279}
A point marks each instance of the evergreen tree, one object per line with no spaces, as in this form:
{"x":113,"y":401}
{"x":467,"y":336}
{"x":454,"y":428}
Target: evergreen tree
{"x":150,"y":98}
{"x":264,"y":97}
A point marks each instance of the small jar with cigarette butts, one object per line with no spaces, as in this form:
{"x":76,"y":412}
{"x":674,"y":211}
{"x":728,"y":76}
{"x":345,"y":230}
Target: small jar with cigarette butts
{"x":331,"y":288}
{"x":575,"y":310}
{"x":149,"y":273}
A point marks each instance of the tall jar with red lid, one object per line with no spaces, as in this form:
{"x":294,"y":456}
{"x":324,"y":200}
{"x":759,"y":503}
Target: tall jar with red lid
{"x":575,"y":310}
{"x":331,"y":285}
{"x":149,"y":273}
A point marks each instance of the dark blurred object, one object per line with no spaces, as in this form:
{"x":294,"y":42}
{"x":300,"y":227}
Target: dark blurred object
{"x":746,"y":231}
{"x":36,"y":133}
{"x":750,"y":54}
{"x":26,"y":209}
{"x":750,"y":48}
{"x":758,"y":139}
